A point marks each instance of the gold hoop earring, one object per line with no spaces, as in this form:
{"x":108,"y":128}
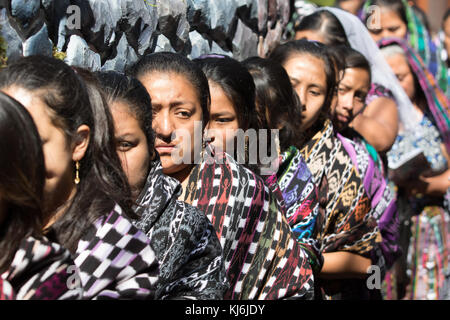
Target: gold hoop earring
{"x":77,"y":172}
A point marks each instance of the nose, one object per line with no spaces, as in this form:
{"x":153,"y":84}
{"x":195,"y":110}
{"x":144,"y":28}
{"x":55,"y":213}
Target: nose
{"x":163,"y":125}
{"x":346,"y":102}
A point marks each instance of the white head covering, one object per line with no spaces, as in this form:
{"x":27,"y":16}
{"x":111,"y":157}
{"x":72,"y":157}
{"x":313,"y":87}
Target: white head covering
{"x":360,"y":40}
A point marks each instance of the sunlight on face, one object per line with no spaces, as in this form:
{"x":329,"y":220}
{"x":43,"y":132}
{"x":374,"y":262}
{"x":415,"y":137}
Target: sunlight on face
{"x":309,"y":80}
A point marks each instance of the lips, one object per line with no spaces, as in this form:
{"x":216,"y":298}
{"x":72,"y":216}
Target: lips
{"x":164,"y":149}
{"x":343,"y":118}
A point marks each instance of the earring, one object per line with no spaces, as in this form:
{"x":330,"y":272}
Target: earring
{"x":77,"y":172}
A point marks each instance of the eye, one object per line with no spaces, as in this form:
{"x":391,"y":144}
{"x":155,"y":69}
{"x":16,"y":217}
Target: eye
{"x":124,"y":146}
{"x":375,"y":31}
{"x":393,"y":29}
{"x":315,"y":93}
{"x":184,"y":114}
{"x":224,"y":120}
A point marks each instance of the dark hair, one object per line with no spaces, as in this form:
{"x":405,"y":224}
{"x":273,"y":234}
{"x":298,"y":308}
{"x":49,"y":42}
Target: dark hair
{"x":349,"y":58}
{"x":393,"y":5}
{"x":237,"y":84}
{"x":120,"y":87}
{"x":22,"y":179}
{"x":168,"y":62}
{"x":327,"y":24}
{"x":74,"y":99}
{"x":284,"y":52}
{"x":277,"y":103}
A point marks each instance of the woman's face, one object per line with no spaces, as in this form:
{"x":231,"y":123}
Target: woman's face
{"x":177,"y":117}
{"x":131,"y":144}
{"x":58,"y":153}
{"x":223,"y":121}
{"x":390,"y":25}
{"x":402,"y":71}
{"x":309,"y":80}
{"x":352,"y":92}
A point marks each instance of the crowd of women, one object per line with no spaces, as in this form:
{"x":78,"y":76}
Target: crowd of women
{"x":96,"y":204}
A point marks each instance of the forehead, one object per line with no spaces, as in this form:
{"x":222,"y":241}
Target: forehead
{"x":167,"y":86}
{"x":356,"y":78}
{"x":305,"y":67}
{"x":123,"y":116}
{"x":398,"y":62}
{"x":390,"y":18}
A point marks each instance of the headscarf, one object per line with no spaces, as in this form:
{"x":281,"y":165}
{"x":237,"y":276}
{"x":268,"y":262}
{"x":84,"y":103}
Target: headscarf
{"x":420,"y":40}
{"x":359,"y":38}
{"x":437,"y":102}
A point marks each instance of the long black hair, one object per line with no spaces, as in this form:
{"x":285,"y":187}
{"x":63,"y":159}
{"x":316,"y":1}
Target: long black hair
{"x":278,"y":104}
{"x":327,"y":24}
{"x":237,"y":84}
{"x":72,"y":96}
{"x":22,"y":179}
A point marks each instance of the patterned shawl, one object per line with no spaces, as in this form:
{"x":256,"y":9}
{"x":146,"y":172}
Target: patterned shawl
{"x":348,"y":224}
{"x":185,"y":242}
{"x":438,"y":104}
{"x":40,"y":270}
{"x":383,"y":201}
{"x":262,"y":258}
{"x":421,"y":42}
{"x":301,"y":200}
{"x":115,"y":260}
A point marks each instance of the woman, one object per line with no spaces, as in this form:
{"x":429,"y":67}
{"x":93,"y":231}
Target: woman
{"x":233,"y":117}
{"x":86,"y":192}
{"x":189,"y":253}
{"x":351,"y":94}
{"x":396,"y":18}
{"x":348,"y":234}
{"x":31,"y":267}
{"x":422,"y":194}
{"x":334,"y":27}
{"x":279,"y":107}
{"x":262,"y":259}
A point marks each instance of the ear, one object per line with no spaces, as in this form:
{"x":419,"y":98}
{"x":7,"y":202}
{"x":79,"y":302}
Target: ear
{"x":81,"y":142}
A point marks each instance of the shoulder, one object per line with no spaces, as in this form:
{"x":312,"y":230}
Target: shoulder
{"x":44,"y":268}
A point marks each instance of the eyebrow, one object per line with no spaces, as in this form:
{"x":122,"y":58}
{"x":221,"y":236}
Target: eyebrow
{"x":174,"y":104}
{"x":123,"y":136}
{"x":224,"y":113}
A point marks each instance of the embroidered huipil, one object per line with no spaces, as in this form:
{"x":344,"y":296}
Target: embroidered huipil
{"x":263,"y":260}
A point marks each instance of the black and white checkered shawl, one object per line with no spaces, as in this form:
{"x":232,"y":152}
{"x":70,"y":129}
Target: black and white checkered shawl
{"x":115,"y":260}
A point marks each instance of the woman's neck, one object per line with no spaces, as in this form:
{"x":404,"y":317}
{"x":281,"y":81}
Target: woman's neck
{"x":59,"y":212}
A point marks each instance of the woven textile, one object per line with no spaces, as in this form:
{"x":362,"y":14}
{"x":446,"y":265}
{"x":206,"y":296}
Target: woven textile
{"x":262,"y":257}
{"x":185,"y":242}
{"x":115,"y":260}
{"x":39,"y":271}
